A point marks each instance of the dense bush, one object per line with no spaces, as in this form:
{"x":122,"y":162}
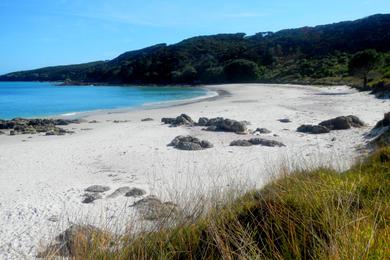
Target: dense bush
{"x":241,"y":71}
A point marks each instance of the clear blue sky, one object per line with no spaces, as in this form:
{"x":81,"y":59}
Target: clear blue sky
{"x":37,"y":33}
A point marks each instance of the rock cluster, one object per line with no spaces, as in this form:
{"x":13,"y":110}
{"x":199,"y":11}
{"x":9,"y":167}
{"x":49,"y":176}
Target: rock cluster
{"x":338,"y":123}
{"x":33,"y":126}
{"x":93,"y":193}
{"x":213,"y":124}
{"x":190,"y":143}
{"x":257,"y":141}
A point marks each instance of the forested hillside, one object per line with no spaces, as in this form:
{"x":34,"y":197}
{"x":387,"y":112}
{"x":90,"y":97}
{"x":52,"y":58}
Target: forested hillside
{"x":320,"y":54}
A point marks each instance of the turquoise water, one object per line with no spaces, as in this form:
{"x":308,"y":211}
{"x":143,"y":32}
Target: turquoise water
{"x":33,"y":99}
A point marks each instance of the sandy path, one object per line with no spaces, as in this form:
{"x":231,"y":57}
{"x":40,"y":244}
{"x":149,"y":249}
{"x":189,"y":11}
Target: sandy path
{"x":42,"y":177}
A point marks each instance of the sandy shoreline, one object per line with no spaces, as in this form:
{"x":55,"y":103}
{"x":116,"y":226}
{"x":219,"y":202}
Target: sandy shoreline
{"x":43,"y":178}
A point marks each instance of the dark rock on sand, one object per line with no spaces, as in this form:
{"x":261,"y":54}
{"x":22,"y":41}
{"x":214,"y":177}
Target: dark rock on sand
{"x":183,"y":119}
{"x":262,"y":131}
{"x":93,"y":122}
{"x":241,"y":143}
{"x":119,"y":192}
{"x":266,"y":142}
{"x":91,"y":197}
{"x":257,"y":141}
{"x":313,"y":129}
{"x":342,"y":123}
{"x":97,"y":188}
{"x":203,"y":121}
{"x":135,"y":192}
{"x":221,"y":124}
{"x":190,"y":143}
{"x":284,"y":120}
{"x":147,"y":119}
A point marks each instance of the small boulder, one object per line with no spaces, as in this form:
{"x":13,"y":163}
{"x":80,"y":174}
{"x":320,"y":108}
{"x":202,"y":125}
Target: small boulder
{"x":151,"y":208}
{"x":189,"y":143}
{"x":262,"y":131}
{"x":183,"y":119}
{"x":91,"y":197}
{"x":119,"y":192}
{"x":97,"y":188}
{"x":240,"y":143}
{"x":313,"y":129}
{"x":147,"y":119}
{"x":135,"y":192}
{"x":342,"y":123}
{"x":66,"y":243}
{"x":284,"y":120}
{"x":266,"y":142}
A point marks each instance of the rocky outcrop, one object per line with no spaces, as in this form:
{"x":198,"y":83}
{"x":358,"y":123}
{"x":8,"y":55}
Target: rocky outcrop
{"x":241,"y":143}
{"x":65,"y":243}
{"x":190,"y":143}
{"x":257,"y":141}
{"x":384,"y":122}
{"x":381,"y":132}
{"x":34,"y":126}
{"x":342,"y":123}
{"x":183,"y":119}
{"x":313,"y":129}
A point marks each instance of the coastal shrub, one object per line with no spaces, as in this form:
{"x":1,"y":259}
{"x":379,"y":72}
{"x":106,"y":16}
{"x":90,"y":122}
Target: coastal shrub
{"x":316,"y":214}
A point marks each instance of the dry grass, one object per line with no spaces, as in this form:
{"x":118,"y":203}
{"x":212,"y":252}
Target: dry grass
{"x":316,"y":214}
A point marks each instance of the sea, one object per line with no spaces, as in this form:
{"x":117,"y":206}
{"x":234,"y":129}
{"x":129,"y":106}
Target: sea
{"x":45,"y":99}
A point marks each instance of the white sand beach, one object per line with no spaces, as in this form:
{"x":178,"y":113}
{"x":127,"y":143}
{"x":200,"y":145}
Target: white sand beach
{"x":42,"y":178}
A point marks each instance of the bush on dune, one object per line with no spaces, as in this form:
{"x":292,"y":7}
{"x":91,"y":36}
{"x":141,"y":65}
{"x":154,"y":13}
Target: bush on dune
{"x":303,"y":215}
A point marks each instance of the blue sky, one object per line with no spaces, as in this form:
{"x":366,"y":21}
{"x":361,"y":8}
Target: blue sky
{"x":37,"y":33}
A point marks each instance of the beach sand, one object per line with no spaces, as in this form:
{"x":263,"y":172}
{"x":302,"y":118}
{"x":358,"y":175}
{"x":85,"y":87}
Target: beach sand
{"x":42,"y":178}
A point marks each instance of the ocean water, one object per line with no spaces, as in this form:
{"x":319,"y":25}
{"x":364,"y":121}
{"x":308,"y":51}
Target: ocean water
{"x":34,"y":99}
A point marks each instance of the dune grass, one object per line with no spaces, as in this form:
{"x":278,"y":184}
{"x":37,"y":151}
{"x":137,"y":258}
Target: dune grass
{"x":317,"y":214}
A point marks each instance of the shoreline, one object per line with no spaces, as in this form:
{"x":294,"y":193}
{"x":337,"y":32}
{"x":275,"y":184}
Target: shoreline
{"x":44,"y":177}
{"x":209,"y":95}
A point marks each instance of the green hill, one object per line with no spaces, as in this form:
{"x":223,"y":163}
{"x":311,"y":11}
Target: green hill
{"x":318,"y":55}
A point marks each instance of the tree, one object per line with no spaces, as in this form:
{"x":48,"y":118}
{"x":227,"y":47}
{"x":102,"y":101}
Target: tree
{"x":241,"y":70}
{"x":363,"y":62}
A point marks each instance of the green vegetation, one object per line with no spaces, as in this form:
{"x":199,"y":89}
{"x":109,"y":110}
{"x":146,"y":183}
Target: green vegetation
{"x":317,"y":214}
{"x":327,"y":54}
{"x":363,"y":62}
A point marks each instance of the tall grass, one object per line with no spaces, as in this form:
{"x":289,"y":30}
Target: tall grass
{"x":306,"y":214}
